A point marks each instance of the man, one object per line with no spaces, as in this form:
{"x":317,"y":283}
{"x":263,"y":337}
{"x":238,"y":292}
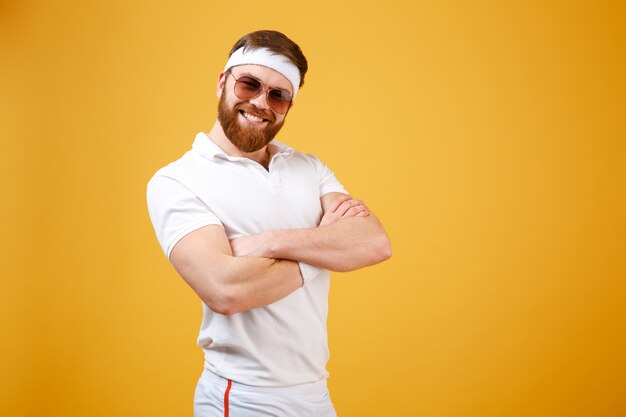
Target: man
{"x":254,"y":228}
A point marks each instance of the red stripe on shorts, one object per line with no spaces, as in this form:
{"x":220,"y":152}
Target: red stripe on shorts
{"x":226,"y":397}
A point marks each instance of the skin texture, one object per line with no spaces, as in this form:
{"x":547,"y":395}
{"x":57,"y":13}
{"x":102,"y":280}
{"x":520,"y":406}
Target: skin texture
{"x":245,"y":135}
{"x":254,"y":271}
{"x":349,"y":237}
{"x":228,"y":284}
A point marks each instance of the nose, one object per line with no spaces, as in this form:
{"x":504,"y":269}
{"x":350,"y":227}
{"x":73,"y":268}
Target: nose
{"x":260,"y":101}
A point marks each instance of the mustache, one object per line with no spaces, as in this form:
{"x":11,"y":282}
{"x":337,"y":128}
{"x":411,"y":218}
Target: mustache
{"x":249,"y":108}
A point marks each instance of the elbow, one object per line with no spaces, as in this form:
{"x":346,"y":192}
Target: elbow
{"x":221,"y":308}
{"x":377,"y":251}
{"x":224,"y":301}
{"x":383,"y":249}
{"x":224,"y":310}
{"x":386,"y":253}
{"x":214,"y":284}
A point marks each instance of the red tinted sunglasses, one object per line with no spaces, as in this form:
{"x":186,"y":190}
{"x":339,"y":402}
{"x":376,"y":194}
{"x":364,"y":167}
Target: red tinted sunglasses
{"x":248,"y":87}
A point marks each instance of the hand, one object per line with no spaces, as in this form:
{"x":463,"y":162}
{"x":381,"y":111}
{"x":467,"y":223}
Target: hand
{"x":342,"y":207}
{"x":255,"y":245}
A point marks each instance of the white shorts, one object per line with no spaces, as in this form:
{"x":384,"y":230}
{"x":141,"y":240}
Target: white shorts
{"x":219,"y":397}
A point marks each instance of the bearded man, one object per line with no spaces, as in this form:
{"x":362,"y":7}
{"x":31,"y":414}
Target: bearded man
{"x":254,"y":227}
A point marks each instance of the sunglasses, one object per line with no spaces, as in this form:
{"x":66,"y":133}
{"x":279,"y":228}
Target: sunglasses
{"x":248,"y":87}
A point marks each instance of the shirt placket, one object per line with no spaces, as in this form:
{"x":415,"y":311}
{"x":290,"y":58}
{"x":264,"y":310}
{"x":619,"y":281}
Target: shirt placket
{"x":274,"y":173}
{"x":270,"y":176}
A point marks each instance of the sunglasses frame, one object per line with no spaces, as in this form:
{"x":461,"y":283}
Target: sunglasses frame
{"x":263,"y":89}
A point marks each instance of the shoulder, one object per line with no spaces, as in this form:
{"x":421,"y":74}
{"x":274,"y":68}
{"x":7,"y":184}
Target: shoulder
{"x":183,"y":170}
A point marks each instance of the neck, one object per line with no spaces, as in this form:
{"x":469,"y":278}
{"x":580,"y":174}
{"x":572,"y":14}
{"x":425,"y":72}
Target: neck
{"x":217,"y":135}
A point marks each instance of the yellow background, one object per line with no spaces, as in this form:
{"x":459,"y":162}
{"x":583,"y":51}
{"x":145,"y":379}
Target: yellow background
{"x":489,"y":137}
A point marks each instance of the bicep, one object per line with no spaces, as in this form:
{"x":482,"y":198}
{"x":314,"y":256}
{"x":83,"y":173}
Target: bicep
{"x":201,"y":258}
{"x":229,"y":284}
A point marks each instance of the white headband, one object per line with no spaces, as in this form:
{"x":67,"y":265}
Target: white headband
{"x":269,"y":59}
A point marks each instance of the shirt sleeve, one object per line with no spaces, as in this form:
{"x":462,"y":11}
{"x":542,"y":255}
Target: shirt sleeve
{"x":308,"y":272}
{"x":175,"y":211}
{"x":327,"y":180}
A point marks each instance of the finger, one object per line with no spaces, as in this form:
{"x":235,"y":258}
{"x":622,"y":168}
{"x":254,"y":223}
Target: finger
{"x":346,"y":205}
{"x":363,"y":214}
{"x":353,"y":211}
{"x":337,"y":202}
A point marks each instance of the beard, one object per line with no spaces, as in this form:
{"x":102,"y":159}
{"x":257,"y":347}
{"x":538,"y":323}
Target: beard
{"x":246,"y":138}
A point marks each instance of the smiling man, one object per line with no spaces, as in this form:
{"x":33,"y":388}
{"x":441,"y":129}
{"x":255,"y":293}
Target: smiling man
{"x":255,"y":227}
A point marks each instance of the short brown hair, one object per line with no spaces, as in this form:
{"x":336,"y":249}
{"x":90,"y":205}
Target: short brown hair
{"x":275,"y":42}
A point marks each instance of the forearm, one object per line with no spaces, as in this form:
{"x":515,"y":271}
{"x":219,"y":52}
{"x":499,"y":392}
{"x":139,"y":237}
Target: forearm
{"x":249,"y":281}
{"x":344,"y":245}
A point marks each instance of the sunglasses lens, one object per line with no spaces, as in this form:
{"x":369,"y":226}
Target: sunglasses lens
{"x":247,"y":88}
{"x":279,"y":100}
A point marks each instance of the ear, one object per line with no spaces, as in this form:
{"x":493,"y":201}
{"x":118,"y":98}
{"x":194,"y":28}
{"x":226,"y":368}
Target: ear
{"x":221,"y":82}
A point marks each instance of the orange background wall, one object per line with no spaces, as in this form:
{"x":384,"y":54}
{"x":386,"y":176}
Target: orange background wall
{"x":489,"y":137}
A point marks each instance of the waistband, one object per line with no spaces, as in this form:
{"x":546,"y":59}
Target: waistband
{"x":308,"y":388}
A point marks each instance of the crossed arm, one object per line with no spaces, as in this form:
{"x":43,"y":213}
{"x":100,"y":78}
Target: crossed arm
{"x":254,"y":271}
{"x":349,"y":237}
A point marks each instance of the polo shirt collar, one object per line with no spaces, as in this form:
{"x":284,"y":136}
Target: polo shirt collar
{"x":205,"y":146}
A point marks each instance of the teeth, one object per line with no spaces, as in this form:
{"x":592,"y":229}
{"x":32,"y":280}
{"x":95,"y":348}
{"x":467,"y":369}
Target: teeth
{"x":252,"y":117}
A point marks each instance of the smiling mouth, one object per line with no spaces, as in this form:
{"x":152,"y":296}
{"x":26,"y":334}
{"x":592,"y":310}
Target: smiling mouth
{"x":252,"y":117}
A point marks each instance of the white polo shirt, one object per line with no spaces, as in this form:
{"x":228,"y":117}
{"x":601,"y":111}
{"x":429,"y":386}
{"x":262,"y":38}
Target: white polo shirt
{"x":281,"y":344}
